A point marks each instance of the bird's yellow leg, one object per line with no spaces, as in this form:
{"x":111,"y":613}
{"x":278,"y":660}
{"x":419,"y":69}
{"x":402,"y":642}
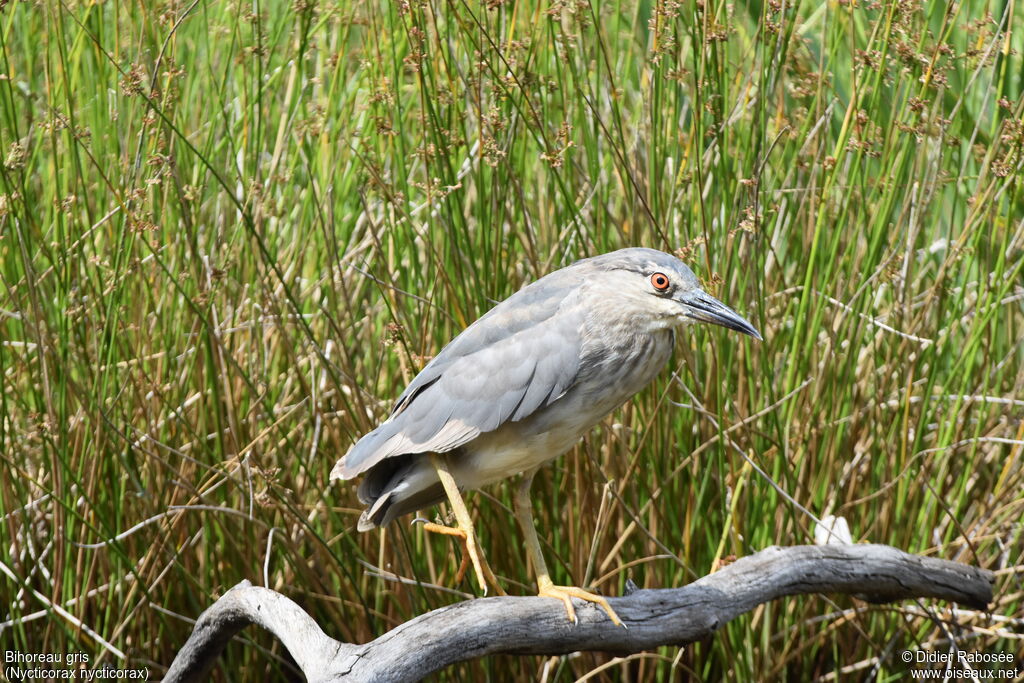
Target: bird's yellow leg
{"x":545,"y":586}
{"x":433,"y":528}
{"x":484,"y":575}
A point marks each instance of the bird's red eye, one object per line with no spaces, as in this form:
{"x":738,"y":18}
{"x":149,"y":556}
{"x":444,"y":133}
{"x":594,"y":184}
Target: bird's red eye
{"x":660,"y":281}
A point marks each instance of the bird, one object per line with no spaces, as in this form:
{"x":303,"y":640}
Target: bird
{"x":521,"y":385}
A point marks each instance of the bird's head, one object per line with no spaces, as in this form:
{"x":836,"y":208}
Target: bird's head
{"x":660,"y":288}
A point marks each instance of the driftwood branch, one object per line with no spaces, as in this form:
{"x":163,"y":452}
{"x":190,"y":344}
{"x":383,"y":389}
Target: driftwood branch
{"x":531,"y":625}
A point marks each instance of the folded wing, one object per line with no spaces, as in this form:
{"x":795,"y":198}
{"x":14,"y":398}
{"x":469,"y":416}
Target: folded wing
{"x":519,"y":357}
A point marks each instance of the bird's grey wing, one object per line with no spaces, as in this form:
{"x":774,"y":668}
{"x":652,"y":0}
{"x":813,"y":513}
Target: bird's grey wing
{"x":522,"y":355}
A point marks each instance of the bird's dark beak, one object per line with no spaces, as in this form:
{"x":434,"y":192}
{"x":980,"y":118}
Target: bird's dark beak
{"x":703,"y":307}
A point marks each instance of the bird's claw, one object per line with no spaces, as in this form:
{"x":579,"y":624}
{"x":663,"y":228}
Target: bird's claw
{"x":470,"y":555}
{"x":567,"y":593}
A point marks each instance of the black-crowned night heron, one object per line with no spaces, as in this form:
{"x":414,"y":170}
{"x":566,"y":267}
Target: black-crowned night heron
{"x":522,"y":384}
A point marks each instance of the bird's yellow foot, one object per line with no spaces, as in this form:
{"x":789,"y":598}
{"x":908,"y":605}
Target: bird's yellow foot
{"x":470,"y":555}
{"x":546,"y":589}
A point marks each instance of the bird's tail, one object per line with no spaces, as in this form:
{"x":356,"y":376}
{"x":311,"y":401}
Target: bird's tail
{"x":397,"y":486}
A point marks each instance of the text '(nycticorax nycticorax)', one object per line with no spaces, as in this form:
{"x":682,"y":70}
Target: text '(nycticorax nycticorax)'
{"x":522,"y":384}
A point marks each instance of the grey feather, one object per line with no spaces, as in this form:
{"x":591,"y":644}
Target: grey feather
{"x":520,"y":356}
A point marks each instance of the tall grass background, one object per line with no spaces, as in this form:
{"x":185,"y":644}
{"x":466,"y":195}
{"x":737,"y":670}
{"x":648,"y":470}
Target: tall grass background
{"x":232,"y":231}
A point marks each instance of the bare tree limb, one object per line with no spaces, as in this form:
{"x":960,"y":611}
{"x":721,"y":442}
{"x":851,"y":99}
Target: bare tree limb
{"x":531,"y":625}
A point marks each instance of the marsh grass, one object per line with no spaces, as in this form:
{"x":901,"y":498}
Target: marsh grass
{"x":231,"y":233}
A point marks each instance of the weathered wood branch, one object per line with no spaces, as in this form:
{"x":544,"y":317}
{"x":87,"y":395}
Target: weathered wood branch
{"x":531,"y":625}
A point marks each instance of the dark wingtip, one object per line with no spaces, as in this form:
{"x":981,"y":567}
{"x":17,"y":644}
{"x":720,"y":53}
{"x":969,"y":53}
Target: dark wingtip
{"x":375,"y":515}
